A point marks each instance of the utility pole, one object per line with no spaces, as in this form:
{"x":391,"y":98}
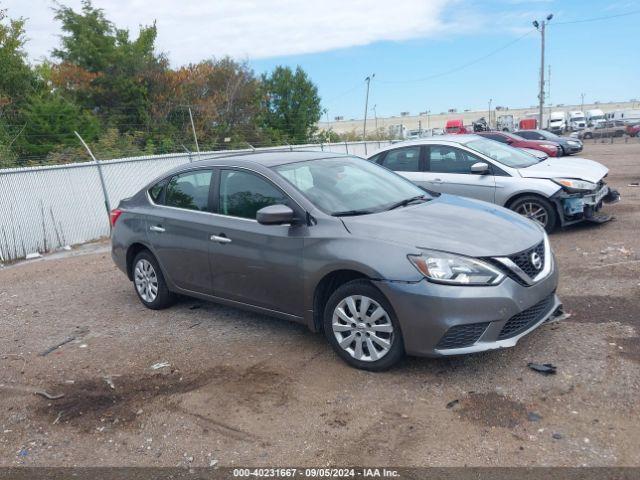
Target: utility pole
{"x":375,"y":117}
{"x":366,"y":107}
{"x":541,"y":26}
{"x":489,"y":123}
{"x":582,"y":102}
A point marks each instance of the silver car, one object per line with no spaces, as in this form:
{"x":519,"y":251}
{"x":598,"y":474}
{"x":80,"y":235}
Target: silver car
{"x":554,"y":191}
{"x":342,"y":246}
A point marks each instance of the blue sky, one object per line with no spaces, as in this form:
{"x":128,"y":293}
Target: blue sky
{"x":599,"y":58}
{"x":340,"y":42}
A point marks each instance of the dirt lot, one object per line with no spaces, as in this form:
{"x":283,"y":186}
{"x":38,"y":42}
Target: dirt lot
{"x":244,"y":389}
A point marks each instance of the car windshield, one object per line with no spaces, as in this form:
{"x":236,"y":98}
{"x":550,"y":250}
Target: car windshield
{"x":509,"y":156}
{"x":350,"y":185}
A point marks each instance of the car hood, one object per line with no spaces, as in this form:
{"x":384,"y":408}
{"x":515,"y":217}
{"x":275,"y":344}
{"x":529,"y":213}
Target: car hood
{"x":451,"y":224}
{"x":566,"y":168}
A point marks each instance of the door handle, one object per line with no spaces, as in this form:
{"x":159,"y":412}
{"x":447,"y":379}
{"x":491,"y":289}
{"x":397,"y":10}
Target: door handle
{"x":156,"y":228}
{"x":437,"y":180}
{"x":220,"y":238}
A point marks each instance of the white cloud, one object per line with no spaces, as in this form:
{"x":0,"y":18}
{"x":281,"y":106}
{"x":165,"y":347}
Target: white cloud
{"x":191,"y":30}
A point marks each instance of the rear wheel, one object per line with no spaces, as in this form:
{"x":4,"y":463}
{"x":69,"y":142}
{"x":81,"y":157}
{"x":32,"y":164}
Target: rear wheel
{"x":149,"y":282}
{"x":537,"y":209}
{"x":362,"y":328}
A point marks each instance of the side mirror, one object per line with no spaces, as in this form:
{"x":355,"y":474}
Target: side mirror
{"x":480,"y":168}
{"x":275,"y":215}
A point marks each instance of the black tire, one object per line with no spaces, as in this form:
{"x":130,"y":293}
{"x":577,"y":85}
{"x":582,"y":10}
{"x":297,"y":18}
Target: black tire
{"x":365,"y":288}
{"x":164,"y":298}
{"x":522,"y":204}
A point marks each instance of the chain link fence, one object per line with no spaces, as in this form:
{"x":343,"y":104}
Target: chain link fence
{"x":47,"y":208}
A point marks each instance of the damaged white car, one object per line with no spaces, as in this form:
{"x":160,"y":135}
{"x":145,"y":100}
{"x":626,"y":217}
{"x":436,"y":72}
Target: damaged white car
{"x":553,"y":191}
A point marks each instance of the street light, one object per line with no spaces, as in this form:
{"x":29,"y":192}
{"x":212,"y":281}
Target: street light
{"x":540,"y":26}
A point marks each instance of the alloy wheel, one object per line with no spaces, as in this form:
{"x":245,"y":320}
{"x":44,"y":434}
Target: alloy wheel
{"x":362,"y":328}
{"x":146,"y":280}
{"x":534,"y":211}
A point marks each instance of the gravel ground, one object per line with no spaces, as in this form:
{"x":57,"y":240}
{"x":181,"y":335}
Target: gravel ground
{"x":245,"y":389}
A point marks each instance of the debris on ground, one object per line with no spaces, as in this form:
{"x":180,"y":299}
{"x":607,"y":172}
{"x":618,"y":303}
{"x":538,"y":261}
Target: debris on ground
{"x":109,"y":381}
{"x":634,"y":184}
{"x":195,"y":307}
{"x":159,"y":365}
{"x":31,"y":256}
{"x":556,"y":436}
{"x":534,"y":417}
{"x":453,"y":403}
{"x":543,"y":368}
{"x":56,"y":346}
{"x":47,"y":395}
{"x":67,"y":248}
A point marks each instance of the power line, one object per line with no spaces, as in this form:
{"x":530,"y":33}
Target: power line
{"x":596,"y":19}
{"x":465,"y":65}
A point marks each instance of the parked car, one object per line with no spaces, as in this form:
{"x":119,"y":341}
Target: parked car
{"x":343,"y":246}
{"x":604,"y":130}
{"x":569,"y":145}
{"x":633,"y":130}
{"x":553,"y":192}
{"x":553,"y":149}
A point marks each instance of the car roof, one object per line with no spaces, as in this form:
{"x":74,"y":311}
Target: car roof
{"x":267,"y":159}
{"x":458,"y":139}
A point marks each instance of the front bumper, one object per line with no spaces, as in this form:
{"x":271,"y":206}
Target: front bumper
{"x":427,"y":311}
{"x":578,"y":207}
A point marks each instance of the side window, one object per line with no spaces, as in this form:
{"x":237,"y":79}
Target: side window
{"x":375,"y":158}
{"x":189,"y":190}
{"x":156,"y":191}
{"x":242,"y":194}
{"x":444,"y":159}
{"x":403,"y":159}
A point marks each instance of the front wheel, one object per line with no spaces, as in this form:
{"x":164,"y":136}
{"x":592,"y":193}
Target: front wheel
{"x":361,"y":326}
{"x":537,"y":209}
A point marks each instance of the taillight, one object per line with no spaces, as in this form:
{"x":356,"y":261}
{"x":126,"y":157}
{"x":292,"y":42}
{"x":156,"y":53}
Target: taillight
{"x":114,"y":215}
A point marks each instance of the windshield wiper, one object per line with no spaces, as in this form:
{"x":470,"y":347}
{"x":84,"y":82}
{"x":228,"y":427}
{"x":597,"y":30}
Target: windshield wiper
{"x":352,"y":213}
{"x":406,"y":201}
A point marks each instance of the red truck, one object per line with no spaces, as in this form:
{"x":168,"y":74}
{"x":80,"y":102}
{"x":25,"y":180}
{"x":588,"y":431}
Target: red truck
{"x":528,"y":124}
{"x":552,"y":149}
{"x":455,"y":126}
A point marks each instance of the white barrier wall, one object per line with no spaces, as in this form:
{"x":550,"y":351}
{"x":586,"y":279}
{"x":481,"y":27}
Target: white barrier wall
{"x":45,"y":208}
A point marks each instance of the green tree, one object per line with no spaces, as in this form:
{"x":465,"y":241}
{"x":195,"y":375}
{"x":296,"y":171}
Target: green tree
{"x":122,"y":68}
{"x":49,"y":123}
{"x":290,"y":105}
{"x":17,"y":80}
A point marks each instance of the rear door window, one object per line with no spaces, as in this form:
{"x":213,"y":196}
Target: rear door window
{"x":405,"y":159}
{"x":189,"y":190}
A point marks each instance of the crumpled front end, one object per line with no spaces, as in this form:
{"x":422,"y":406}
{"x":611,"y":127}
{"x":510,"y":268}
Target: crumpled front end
{"x":585,"y":206}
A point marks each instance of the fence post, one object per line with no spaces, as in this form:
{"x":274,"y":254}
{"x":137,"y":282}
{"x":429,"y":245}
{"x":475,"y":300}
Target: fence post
{"x":346,"y":147}
{"x":107,"y":204}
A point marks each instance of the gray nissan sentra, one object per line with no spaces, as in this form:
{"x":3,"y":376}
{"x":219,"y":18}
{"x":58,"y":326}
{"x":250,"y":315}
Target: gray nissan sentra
{"x":343,"y":246}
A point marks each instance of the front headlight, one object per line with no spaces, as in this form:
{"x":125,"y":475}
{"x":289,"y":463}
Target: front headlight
{"x":575,"y":185}
{"x":442,"y":267}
